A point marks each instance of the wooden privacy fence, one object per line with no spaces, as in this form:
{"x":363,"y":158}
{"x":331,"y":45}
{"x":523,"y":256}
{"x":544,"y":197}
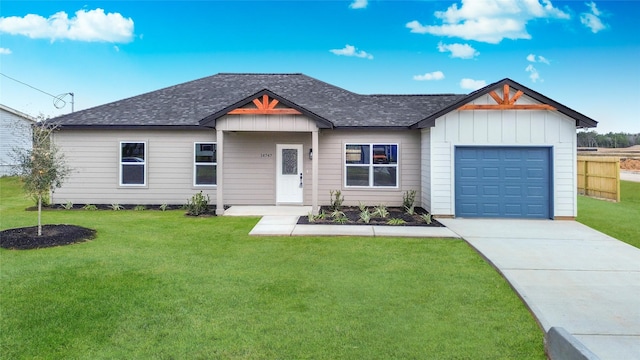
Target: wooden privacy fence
{"x":599,"y":177}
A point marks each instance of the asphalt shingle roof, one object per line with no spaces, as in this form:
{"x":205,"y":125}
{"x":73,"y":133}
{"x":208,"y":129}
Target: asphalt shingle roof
{"x":188,"y":103}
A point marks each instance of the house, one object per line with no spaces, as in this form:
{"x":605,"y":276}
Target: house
{"x":272,"y":139}
{"x":15,"y":134}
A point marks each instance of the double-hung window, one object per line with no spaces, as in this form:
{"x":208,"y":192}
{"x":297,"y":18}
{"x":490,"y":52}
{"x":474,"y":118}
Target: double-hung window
{"x":205,"y":164}
{"x":133,"y":163}
{"x":371,"y":165}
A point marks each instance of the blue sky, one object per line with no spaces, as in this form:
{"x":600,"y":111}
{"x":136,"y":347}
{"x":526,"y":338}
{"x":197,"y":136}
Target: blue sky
{"x":583,"y":54}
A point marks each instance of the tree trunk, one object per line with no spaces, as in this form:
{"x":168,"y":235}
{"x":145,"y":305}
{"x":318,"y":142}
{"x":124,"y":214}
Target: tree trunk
{"x":39,"y":214}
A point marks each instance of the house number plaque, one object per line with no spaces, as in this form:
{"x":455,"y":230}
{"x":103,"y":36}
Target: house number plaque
{"x":264,"y":155}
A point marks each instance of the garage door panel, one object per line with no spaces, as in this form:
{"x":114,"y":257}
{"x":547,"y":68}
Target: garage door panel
{"x":466,"y":172}
{"x":503,"y":182}
{"x":490,"y":173}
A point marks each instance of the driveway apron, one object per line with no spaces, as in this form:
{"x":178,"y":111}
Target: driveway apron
{"x":569,"y":275}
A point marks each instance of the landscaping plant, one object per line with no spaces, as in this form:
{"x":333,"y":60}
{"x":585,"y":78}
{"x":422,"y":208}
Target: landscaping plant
{"x":408,"y":201}
{"x":336,"y":202}
{"x":198,"y":204}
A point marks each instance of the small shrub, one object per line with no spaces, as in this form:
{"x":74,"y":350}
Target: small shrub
{"x":365,"y":216}
{"x":336,"y":203}
{"x":396,"y":221}
{"x":311,"y":217}
{"x":340,"y":220}
{"x":408,"y":201}
{"x":90,"y":207}
{"x":337,"y":214}
{"x":381,"y":211}
{"x":198,"y":204}
{"x":426,"y":218}
{"x":67,"y":206}
{"x":46,"y":201}
{"x":116,"y":207}
{"x":322,"y":215}
{"x":140,"y":208}
{"x":362,"y":206}
{"x":163,"y":207}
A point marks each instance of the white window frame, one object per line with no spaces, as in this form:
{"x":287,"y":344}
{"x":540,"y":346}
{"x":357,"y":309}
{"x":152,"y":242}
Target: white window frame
{"x":196,"y":164}
{"x":371,"y":165}
{"x":123,"y":163}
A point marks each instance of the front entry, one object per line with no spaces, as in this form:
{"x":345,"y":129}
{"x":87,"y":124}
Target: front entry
{"x":289,"y":179}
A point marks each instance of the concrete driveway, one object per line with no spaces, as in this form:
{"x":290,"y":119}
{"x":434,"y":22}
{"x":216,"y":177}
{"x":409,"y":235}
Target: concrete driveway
{"x":630,"y":175}
{"x":569,"y":275}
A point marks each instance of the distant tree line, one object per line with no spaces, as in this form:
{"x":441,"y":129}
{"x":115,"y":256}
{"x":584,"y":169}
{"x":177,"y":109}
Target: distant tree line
{"x":609,"y":140}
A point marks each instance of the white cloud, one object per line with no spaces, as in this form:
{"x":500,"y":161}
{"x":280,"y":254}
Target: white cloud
{"x":470,"y":84}
{"x":350,"y":50}
{"x":537,"y":58}
{"x":489,"y":21}
{"x":534,"y":75}
{"x":5,"y":51}
{"x":462,"y":51}
{"x":92,"y":25}
{"x":592,"y":19}
{"x":359,"y":4}
{"x":116,"y":48}
{"x":436,"y":75}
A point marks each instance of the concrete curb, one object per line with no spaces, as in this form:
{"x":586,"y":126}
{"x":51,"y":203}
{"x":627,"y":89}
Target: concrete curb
{"x":560,"y":345}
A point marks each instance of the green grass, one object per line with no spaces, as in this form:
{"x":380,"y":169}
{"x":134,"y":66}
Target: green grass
{"x":161,"y":285}
{"x":619,"y":220}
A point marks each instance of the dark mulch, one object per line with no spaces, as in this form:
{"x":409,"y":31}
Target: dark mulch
{"x":353,"y":217}
{"x":52,"y":235}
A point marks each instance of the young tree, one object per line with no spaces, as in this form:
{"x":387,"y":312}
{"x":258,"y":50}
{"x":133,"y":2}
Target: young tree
{"x":42,"y":168}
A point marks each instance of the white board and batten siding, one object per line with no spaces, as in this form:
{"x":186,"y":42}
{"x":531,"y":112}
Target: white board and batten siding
{"x":15,"y":134}
{"x":332,"y":166}
{"x":535,"y":128}
{"x":94,"y":156}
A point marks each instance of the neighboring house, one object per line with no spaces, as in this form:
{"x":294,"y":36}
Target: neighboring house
{"x":15,"y":134}
{"x":270,"y":139}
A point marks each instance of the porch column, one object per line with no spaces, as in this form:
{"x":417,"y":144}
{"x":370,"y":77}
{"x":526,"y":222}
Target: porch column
{"x":219,"y":172}
{"x":314,"y":171}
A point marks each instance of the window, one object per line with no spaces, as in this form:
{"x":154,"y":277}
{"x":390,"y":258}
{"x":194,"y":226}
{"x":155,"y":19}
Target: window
{"x":133,"y":164}
{"x":205,"y":164}
{"x":371,"y":165}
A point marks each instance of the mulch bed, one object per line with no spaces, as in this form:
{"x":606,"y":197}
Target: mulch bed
{"x":352,"y":214}
{"x":52,"y":235}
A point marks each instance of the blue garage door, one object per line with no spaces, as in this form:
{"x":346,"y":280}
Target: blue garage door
{"x":503,"y":182}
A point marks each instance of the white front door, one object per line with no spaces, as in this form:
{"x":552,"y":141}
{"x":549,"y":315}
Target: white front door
{"x":289,"y":179}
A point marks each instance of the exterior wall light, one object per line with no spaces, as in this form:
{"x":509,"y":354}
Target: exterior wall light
{"x":310,"y":154}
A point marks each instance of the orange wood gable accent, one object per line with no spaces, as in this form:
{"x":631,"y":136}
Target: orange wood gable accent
{"x":265,"y":107}
{"x":506,"y":103}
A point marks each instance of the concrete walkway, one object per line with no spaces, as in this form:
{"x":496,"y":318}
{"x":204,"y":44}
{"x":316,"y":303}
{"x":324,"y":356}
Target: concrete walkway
{"x":287,"y":226}
{"x":569,"y":275}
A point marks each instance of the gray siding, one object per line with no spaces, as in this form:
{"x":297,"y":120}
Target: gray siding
{"x":331,"y":166}
{"x":249,"y":161}
{"x":94,"y":157}
{"x":250,"y":166}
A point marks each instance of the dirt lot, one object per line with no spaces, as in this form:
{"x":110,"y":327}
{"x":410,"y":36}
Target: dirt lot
{"x":630,"y":164}
{"x":629,"y":157}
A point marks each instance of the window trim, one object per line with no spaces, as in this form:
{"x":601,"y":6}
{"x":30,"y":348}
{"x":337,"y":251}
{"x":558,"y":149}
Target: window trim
{"x":371,"y":165}
{"x":122,"y":163}
{"x":196,"y":164}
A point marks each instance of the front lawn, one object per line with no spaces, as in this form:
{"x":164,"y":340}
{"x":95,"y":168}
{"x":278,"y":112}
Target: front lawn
{"x":619,"y":220}
{"x":164,"y":286}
